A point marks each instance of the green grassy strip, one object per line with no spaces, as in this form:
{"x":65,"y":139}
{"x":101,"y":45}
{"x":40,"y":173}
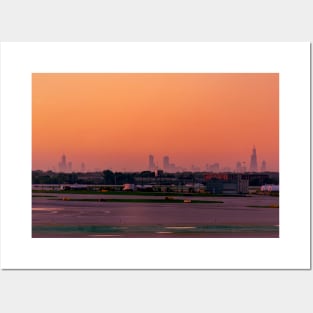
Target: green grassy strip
{"x":150,"y":229}
{"x":138,"y":193}
{"x":263,"y":206}
{"x":139,"y":200}
{"x":43,"y":196}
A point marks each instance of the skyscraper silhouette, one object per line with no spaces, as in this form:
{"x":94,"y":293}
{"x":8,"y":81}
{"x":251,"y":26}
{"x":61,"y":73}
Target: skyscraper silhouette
{"x":151,"y":163}
{"x":62,"y":164}
{"x":166,"y":163}
{"x":263,"y":166}
{"x":253,"y":161}
{"x":238,"y":167}
{"x":83,"y":167}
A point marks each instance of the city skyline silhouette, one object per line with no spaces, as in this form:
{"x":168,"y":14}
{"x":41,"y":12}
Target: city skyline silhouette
{"x":116,"y":120}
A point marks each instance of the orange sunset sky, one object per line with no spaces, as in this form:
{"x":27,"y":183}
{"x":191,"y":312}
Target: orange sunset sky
{"x":116,"y":120}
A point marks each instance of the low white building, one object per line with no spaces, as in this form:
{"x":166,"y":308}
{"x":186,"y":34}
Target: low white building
{"x":270,"y":188}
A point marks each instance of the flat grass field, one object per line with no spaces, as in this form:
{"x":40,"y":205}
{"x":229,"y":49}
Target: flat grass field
{"x":134,"y":193}
{"x":140,"y":200}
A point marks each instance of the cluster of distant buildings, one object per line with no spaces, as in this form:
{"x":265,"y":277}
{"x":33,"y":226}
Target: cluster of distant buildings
{"x":167,"y":165}
{"x":66,"y":167}
{"x":187,"y":182}
{"x":170,"y":167}
{"x":170,"y":178}
{"x":215,"y":167}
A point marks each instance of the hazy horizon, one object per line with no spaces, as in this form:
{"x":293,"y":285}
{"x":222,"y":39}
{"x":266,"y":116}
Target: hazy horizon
{"x":202,"y":167}
{"x":115,"y":121}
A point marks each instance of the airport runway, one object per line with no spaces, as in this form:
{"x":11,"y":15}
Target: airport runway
{"x":54,"y":217}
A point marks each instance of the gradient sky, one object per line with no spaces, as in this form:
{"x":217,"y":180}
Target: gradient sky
{"x":116,"y":120}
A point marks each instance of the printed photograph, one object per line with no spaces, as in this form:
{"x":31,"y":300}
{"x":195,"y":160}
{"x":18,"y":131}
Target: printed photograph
{"x":155,"y":155}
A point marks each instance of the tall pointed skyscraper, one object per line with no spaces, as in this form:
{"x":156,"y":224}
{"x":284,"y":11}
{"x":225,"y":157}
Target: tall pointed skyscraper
{"x":253,"y":161}
{"x":63,"y":164}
